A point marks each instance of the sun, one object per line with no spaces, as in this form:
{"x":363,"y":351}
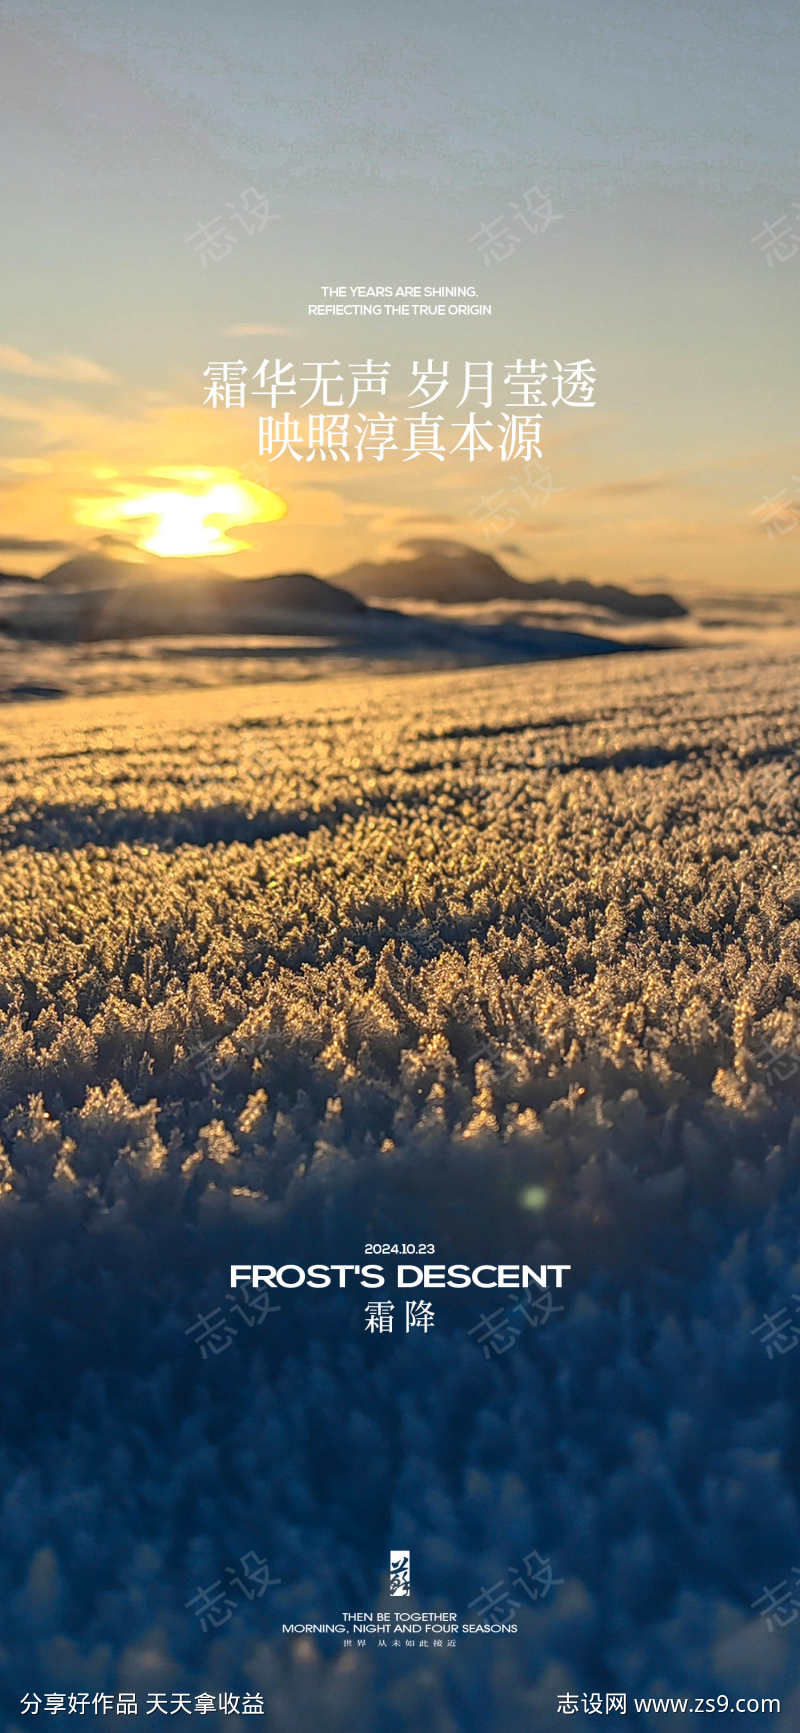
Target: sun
{"x":187,"y":521}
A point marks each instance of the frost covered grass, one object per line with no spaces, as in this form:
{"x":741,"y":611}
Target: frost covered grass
{"x":286,"y":970}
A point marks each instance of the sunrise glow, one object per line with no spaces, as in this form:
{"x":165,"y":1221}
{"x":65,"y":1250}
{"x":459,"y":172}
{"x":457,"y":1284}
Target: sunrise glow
{"x":187,"y":521}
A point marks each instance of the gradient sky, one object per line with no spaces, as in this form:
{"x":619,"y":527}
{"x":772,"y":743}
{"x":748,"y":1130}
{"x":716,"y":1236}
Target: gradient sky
{"x":383,"y":139}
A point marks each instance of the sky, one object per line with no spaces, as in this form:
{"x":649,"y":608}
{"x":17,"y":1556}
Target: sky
{"x":380,"y":145}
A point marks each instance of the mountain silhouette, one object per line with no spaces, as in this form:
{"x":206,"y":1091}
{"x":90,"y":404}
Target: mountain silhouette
{"x":93,"y":571}
{"x":439,"y":571}
{"x":74,"y":601}
{"x":449,"y":572}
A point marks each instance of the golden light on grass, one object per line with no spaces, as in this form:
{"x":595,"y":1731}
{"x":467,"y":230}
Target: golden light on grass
{"x":187,"y":520}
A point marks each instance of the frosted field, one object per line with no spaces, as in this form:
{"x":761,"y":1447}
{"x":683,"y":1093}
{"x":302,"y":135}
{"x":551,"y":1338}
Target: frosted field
{"x":507,"y":961}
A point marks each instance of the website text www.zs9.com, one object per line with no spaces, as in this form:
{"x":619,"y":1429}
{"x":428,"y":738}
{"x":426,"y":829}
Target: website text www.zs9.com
{"x":721,"y":1705}
{"x":619,"y":1703}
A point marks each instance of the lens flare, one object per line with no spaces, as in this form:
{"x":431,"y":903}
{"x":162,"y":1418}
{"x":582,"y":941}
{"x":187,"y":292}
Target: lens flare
{"x":187,"y":521}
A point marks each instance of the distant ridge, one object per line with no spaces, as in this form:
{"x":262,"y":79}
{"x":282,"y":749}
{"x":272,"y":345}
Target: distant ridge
{"x":443,"y":573}
{"x":160,"y":584}
{"x":293,"y":590}
{"x":440,"y":571}
{"x":452,"y":573}
{"x":129,"y":607}
{"x":92,"y":571}
{"x":637,"y":605}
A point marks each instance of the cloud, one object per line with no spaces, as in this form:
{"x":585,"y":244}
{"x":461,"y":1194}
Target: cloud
{"x":544,"y":526}
{"x":70,"y":369}
{"x":622,"y":489}
{"x":28,"y":545}
{"x":259,"y":331}
{"x":26,"y":465}
{"x":427,"y":517}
